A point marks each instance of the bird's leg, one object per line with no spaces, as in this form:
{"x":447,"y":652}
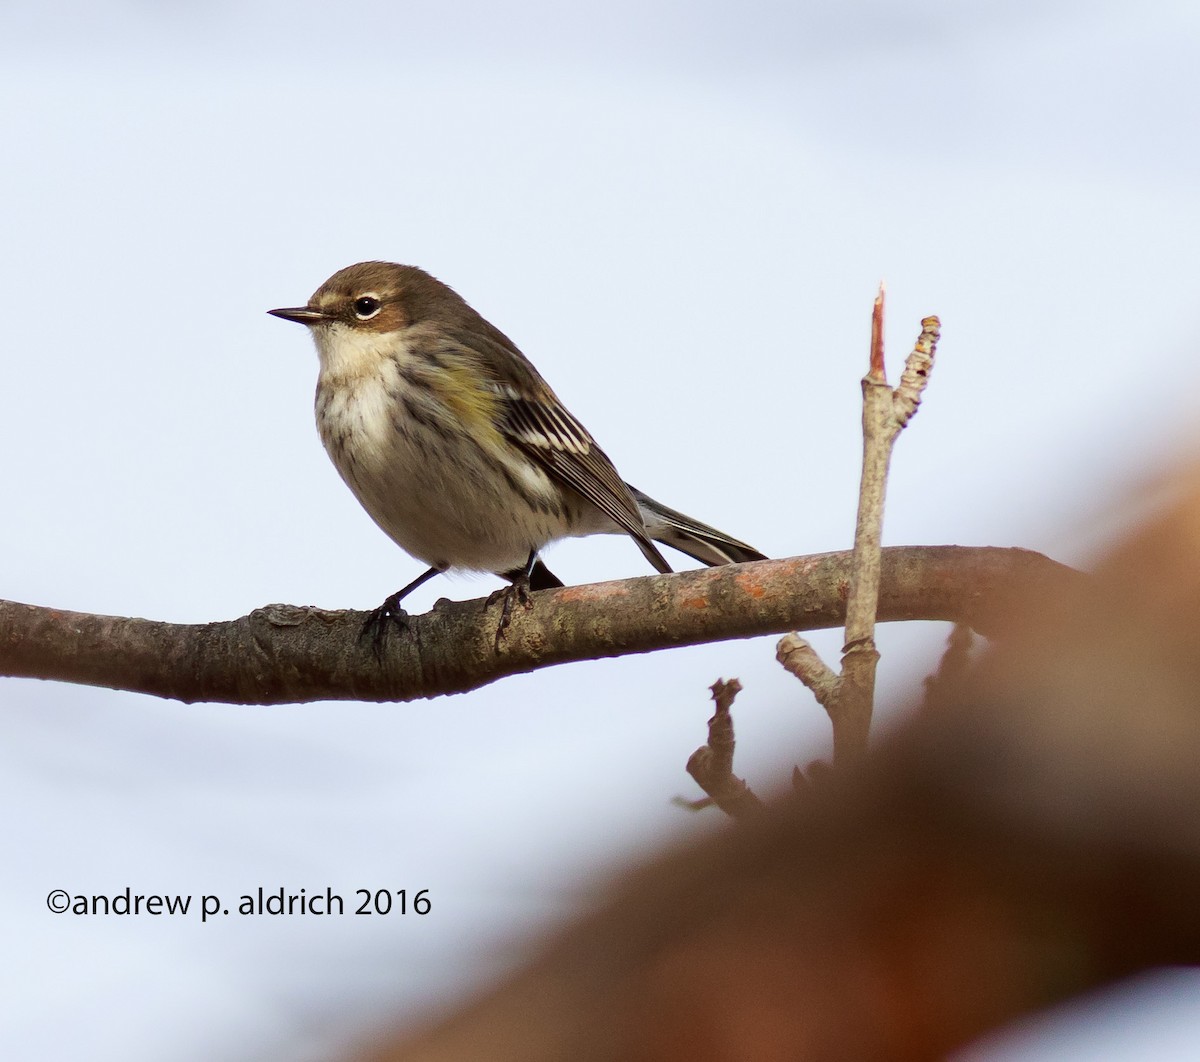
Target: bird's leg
{"x":378,"y":621}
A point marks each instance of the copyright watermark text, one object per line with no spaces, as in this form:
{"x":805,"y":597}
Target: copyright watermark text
{"x":128,"y":902}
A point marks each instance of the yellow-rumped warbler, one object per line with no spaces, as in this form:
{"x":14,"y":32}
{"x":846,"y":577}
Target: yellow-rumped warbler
{"x":455,"y":445}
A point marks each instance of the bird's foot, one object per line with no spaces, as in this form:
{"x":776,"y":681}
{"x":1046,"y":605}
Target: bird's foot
{"x":381,"y":620}
{"x":516,"y":592}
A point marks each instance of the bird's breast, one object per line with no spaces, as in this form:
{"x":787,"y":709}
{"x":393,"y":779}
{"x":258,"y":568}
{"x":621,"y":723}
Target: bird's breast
{"x":445,"y":493}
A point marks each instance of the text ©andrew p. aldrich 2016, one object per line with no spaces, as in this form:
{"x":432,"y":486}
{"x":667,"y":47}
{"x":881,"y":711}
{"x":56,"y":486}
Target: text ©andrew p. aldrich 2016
{"x":260,"y":902}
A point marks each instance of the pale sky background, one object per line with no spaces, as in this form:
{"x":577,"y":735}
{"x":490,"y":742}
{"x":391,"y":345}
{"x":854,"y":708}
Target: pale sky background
{"x":680,"y":213}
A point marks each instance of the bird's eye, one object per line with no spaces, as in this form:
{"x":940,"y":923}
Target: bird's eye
{"x":366,"y":307}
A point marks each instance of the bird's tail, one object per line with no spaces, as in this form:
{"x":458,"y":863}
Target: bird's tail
{"x":706,"y":544}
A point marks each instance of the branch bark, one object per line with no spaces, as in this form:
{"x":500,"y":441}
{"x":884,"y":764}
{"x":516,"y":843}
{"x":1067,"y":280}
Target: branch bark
{"x":287,"y":654}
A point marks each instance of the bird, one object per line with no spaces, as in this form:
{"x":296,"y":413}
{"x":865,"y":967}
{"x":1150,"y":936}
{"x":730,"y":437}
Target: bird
{"x":457,"y":448}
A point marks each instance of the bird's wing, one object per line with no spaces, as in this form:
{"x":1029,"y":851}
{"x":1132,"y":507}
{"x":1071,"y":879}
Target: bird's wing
{"x":532,"y":417}
{"x":547,"y":432}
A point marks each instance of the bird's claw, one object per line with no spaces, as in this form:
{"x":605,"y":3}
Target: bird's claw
{"x":380,"y":620}
{"x":517,"y":591}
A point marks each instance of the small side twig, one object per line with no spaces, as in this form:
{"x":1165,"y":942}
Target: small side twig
{"x":798,"y":657}
{"x":711,"y":765}
{"x":849,"y":697}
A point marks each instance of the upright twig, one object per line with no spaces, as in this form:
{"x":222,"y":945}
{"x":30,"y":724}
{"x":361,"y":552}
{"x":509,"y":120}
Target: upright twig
{"x":849,"y":697}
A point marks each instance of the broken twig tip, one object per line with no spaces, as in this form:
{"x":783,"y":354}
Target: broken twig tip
{"x":724,"y":693}
{"x":876,"y":371}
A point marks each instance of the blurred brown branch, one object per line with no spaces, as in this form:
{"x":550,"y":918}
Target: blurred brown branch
{"x":1034,"y":838}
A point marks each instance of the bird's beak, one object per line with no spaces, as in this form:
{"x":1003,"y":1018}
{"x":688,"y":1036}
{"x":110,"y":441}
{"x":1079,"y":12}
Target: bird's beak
{"x":304,"y":315}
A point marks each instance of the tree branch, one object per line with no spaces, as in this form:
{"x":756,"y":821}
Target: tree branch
{"x":285,"y":653}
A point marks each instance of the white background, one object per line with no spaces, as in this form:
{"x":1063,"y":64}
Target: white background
{"x":680,"y":213}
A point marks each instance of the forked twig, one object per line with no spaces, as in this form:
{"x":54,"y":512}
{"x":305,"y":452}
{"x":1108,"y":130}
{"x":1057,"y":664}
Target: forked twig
{"x":848,"y":697}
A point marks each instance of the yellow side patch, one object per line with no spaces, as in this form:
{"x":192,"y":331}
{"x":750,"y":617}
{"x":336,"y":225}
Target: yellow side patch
{"x":476,"y":405}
